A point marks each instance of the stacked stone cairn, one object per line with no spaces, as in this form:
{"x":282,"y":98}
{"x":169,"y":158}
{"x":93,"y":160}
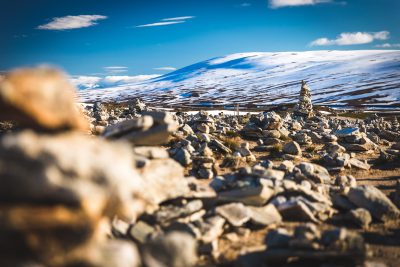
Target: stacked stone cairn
{"x":304,"y":107}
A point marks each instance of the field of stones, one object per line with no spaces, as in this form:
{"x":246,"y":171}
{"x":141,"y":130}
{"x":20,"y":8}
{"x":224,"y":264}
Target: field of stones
{"x":130,"y":185}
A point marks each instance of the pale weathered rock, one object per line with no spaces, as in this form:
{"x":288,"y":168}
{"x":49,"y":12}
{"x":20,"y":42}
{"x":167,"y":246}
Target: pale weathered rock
{"x":151,"y":152}
{"x":171,"y":212}
{"x":345,"y":182}
{"x":236,"y":214}
{"x":183,"y":157}
{"x":286,"y":165}
{"x":40,"y":98}
{"x":272,"y":121}
{"x":141,"y":232}
{"x":361,"y":217}
{"x":350,"y":131}
{"x":254,"y":195}
{"x":340,"y":239}
{"x":264,"y":215}
{"x":69,"y":169}
{"x":211,"y":229}
{"x":163,"y":180}
{"x":314,"y":172}
{"x":306,"y":236}
{"x":138,"y":124}
{"x":373,"y":200}
{"x":296,"y":211}
{"x":224,"y":149}
{"x":140,"y":132}
{"x":187,"y":129}
{"x":116,"y":253}
{"x":176,"y":249}
{"x":204,"y":128}
{"x":292,"y":148}
{"x":359,"y":164}
{"x":244,"y":150}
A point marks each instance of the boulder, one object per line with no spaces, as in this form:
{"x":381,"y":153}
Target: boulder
{"x":236,"y":214}
{"x":292,"y":148}
{"x":264,"y":215}
{"x":40,"y":98}
{"x":359,"y":164}
{"x":176,"y":249}
{"x":69,"y":169}
{"x":252,"y":195}
{"x":163,"y":179}
{"x":373,"y":200}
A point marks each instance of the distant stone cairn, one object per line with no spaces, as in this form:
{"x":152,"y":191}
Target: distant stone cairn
{"x":304,"y":107}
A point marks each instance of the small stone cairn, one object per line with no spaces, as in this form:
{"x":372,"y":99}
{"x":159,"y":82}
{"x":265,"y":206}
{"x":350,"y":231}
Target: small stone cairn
{"x":304,"y":107}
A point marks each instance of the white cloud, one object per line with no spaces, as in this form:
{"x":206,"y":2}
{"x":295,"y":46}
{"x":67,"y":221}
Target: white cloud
{"x":116,"y":69}
{"x":179,"y":18}
{"x":354,"y":38}
{"x":387,"y":45}
{"x":112,"y":80}
{"x":245,"y":4}
{"x":93,"y":82}
{"x":166,"y":68}
{"x":288,"y":3}
{"x":167,"y":21}
{"x":84,"y":82}
{"x":72,"y":22}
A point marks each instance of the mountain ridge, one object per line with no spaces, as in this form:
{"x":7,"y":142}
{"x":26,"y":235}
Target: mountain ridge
{"x":359,"y":77}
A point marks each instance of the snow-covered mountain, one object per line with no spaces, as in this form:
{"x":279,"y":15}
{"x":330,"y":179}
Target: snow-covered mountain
{"x":336,"y":77}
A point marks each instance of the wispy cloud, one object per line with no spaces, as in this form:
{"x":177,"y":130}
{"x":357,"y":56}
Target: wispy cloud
{"x":245,"y":4}
{"x":166,"y":68}
{"x":354,"y":38}
{"x":116,"y":69}
{"x":179,"y":18}
{"x":167,"y":21}
{"x":387,"y":45}
{"x":289,"y":3}
{"x":72,"y":22}
{"x":20,"y":36}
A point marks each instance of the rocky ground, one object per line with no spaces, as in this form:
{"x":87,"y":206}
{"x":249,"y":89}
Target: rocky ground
{"x":127,"y":185}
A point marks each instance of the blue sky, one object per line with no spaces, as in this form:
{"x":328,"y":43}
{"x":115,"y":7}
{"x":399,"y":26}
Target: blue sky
{"x":130,"y":37}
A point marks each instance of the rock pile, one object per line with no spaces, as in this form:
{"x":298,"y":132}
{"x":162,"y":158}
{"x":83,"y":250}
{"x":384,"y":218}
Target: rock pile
{"x":304,"y":106}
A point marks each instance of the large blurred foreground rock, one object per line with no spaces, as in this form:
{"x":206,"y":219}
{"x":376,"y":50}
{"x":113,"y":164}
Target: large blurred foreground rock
{"x":69,"y":169}
{"x":60,"y":189}
{"x":56,"y":189}
{"x":40,"y":98}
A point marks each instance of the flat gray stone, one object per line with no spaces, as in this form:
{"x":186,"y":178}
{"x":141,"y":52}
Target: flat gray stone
{"x":373,"y":200}
{"x":252,"y":195}
{"x":347,"y":132}
{"x":359,"y":164}
{"x":236,"y":214}
{"x":264,"y":215}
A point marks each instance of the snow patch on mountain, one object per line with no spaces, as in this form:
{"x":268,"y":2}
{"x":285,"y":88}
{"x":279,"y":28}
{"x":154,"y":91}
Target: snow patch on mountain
{"x":361,"y":77}
{"x":94,"y":82}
